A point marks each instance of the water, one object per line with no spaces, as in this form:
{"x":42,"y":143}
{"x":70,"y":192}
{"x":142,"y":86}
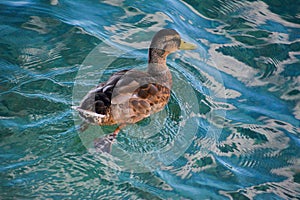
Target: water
{"x":234,"y":109}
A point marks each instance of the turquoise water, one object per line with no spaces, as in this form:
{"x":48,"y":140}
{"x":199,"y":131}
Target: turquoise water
{"x":234,"y":112}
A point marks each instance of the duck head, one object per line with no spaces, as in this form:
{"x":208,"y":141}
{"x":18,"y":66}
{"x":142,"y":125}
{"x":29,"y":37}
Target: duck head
{"x":164,"y":42}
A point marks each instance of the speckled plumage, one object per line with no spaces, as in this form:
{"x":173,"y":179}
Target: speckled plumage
{"x":129,"y":96}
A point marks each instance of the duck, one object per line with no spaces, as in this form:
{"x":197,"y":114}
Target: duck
{"x":129,"y":96}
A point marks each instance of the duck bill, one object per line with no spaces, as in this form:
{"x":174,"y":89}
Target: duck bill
{"x":186,"y":46}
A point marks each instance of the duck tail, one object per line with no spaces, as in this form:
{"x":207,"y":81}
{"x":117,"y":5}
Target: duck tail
{"x":90,"y":116}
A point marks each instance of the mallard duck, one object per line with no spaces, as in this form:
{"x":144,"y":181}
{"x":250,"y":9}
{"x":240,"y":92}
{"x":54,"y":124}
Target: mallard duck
{"x":129,"y":96}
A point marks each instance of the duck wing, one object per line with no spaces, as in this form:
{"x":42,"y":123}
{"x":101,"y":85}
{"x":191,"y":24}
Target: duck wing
{"x":137,"y":95}
{"x":95,"y":106}
{"x":127,"y":97}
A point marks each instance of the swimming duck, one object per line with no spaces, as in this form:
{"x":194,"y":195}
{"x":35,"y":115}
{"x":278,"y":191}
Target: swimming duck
{"x":129,"y":96}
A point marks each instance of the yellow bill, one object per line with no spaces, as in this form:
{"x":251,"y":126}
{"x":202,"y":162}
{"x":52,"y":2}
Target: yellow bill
{"x":187,"y":46}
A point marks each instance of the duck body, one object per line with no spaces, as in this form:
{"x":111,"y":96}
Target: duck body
{"x":129,"y":96}
{"x":126,"y":98}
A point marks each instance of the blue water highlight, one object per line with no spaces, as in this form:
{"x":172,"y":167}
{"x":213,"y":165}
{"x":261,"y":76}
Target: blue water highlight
{"x":236,"y":98}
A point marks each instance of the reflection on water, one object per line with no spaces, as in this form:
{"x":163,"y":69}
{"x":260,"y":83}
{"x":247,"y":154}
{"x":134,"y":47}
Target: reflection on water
{"x":244,"y":75}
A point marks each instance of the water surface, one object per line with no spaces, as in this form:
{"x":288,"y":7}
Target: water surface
{"x":235,"y":100}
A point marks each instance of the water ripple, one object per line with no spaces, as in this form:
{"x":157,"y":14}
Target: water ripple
{"x":244,"y":76}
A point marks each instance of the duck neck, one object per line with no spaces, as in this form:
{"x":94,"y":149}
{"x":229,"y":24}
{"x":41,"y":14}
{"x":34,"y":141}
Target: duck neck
{"x":158,"y":56}
{"x":157,"y":65}
{"x":157,"y":61}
